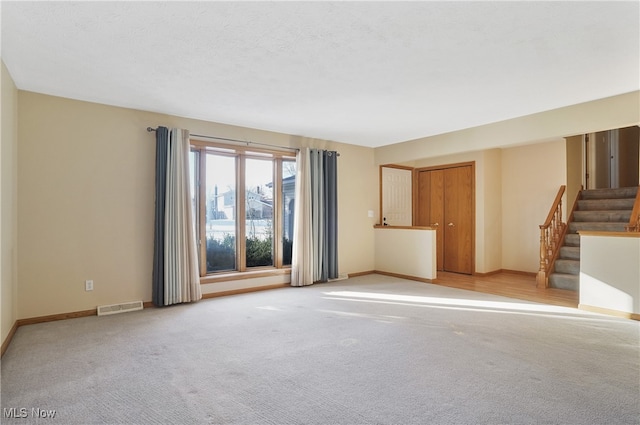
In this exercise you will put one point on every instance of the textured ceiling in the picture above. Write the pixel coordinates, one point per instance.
(366, 73)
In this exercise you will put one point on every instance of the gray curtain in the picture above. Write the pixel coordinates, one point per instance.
(315, 224)
(175, 277)
(324, 214)
(162, 144)
(331, 218)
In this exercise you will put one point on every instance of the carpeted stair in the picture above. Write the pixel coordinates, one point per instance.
(604, 210)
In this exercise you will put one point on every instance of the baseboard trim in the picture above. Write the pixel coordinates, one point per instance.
(609, 312)
(7, 340)
(56, 317)
(404, 276)
(361, 273)
(245, 290)
(488, 273)
(518, 272)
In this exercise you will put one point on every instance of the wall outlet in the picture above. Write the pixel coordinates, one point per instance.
(88, 285)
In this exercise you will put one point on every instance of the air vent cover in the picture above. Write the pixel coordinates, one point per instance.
(104, 310)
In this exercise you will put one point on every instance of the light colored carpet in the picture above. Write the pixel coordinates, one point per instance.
(368, 350)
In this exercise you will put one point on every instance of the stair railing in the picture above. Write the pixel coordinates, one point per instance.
(634, 221)
(551, 234)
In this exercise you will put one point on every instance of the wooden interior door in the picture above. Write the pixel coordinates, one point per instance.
(458, 217)
(422, 217)
(430, 208)
(436, 213)
(445, 202)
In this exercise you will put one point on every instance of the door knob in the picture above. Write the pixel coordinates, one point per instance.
(450, 224)
(435, 224)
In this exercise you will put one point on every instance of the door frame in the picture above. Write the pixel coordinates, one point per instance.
(471, 164)
(589, 166)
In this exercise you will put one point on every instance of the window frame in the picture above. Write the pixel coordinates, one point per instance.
(241, 154)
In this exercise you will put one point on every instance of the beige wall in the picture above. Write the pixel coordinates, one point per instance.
(86, 179)
(513, 195)
(604, 114)
(520, 164)
(488, 201)
(492, 231)
(531, 177)
(8, 194)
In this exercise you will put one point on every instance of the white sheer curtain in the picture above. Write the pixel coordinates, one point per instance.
(175, 276)
(302, 255)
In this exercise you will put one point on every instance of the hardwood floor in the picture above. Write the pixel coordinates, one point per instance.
(512, 285)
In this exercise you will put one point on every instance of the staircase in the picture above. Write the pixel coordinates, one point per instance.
(604, 210)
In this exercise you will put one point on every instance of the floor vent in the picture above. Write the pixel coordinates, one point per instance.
(104, 310)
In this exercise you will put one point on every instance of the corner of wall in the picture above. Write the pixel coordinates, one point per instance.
(8, 209)
(492, 159)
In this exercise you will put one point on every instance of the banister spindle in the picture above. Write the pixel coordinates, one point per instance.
(550, 234)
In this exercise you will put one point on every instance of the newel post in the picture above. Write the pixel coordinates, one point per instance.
(541, 278)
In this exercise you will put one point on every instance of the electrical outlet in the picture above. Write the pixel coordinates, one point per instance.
(88, 285)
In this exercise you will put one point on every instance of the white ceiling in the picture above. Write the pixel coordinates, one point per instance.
(366, 73)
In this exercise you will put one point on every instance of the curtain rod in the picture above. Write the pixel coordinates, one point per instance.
(150, 129)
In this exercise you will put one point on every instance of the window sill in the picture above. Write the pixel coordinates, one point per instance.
(227, 277)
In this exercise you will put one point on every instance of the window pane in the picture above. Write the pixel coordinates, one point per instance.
(288, 201)
(193, 161)
(220, 212)
(259, 212)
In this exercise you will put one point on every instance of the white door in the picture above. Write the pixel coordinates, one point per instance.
(396, 196)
